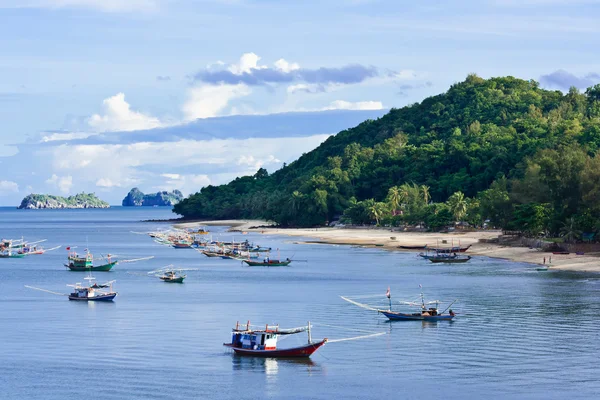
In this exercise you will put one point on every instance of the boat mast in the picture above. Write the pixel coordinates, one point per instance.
(309, 336)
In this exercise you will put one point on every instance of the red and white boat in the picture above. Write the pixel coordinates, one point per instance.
(247, 341)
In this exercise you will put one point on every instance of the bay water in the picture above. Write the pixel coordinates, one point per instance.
(519, 333)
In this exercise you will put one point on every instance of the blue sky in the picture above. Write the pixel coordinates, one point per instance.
(98, 95)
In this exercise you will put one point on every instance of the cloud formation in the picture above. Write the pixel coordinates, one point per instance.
(358, 105)
(248, 72)
(62, 183)
(209, 101)
(118, 116)
(562, 79)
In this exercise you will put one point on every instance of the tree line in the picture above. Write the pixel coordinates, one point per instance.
(501, 152)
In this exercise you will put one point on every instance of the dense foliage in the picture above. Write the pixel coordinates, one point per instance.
(501, 149)
(81, 200)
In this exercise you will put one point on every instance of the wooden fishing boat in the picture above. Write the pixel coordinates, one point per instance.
(89, 292)
(427, 313)
(246, 341)
(413, 247)
(449, 260)
(541, 269)
(182, 244)
(172, 277)
(86, 263)
(430, 256)
(268, 263)
(560, 252)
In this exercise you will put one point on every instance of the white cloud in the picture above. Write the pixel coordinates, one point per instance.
(8, 187)
(55, 136)
(359, 105)
(63, 183)
(106, 183)
(285, 66)
(209, 101)
(101, 5)
(118, 116)
(187, 183)
(248, 62)
(305, 88)
(254, 164)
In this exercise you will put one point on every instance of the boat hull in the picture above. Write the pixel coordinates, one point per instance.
(449, 260)
(173, 280)
(394, 316)
(104, 297)
(265, 264)
(296, 352)
(105, 267)
(12, 256)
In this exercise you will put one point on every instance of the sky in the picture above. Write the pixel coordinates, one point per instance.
(104, 95)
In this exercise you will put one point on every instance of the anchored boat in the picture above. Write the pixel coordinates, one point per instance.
(89, 292)
(428, 312)
(172, 277)
(247, 341)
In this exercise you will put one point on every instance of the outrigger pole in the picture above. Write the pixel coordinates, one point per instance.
(449, 306)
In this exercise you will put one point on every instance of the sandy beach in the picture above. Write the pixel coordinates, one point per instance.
(383, 238)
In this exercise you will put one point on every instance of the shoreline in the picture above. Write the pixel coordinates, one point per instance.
(381, 238)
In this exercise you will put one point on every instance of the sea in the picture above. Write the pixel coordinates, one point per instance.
(519, 333)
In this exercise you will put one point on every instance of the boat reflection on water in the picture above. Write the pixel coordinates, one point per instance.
(271, 366)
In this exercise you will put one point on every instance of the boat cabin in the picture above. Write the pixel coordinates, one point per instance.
(431, 312)
(255, 340)
(83, 292)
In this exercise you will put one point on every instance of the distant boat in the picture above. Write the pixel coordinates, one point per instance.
(86, 263)
(171, 276)
(413, 247)
(541, 269)
(9, 254)
(182, 244)
(268, 263)
(453, 249)
(449, 260)
(560, 252)
(246, 341)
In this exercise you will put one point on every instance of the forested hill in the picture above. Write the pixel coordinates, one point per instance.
(479, 133)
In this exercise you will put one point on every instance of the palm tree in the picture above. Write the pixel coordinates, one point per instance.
(569, 230)
(426, 194)
(394, 197)
(377, 210)
(458, 205)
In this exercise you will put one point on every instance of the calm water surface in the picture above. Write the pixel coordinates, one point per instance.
(519, 334)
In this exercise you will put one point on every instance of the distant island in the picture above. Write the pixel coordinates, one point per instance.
(81, 200)
(136, 198)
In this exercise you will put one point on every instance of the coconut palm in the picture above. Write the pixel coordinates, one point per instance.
(457, 205)
(394, 197)
(377, 210)
(569, 230)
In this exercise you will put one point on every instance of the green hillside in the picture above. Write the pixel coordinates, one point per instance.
(501, 149)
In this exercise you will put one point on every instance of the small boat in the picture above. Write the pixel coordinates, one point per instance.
(182, 244)
(449, 260)
(541, 269)
(88, 292)
(267, 262)
(246, 341)
(413, 247)
(439, 256)
(561, 252)
(171, 276)
(427, 313)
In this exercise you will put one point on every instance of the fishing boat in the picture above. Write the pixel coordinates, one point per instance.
(429, 310)
(172, 277)
(246, 341)
(413, 247)
(182, 244)
(541, 269)
(561, 252)
(439, 256)
(89, 292)
(449, 260)
(35, 250)
(86, 262)
(267, 262)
